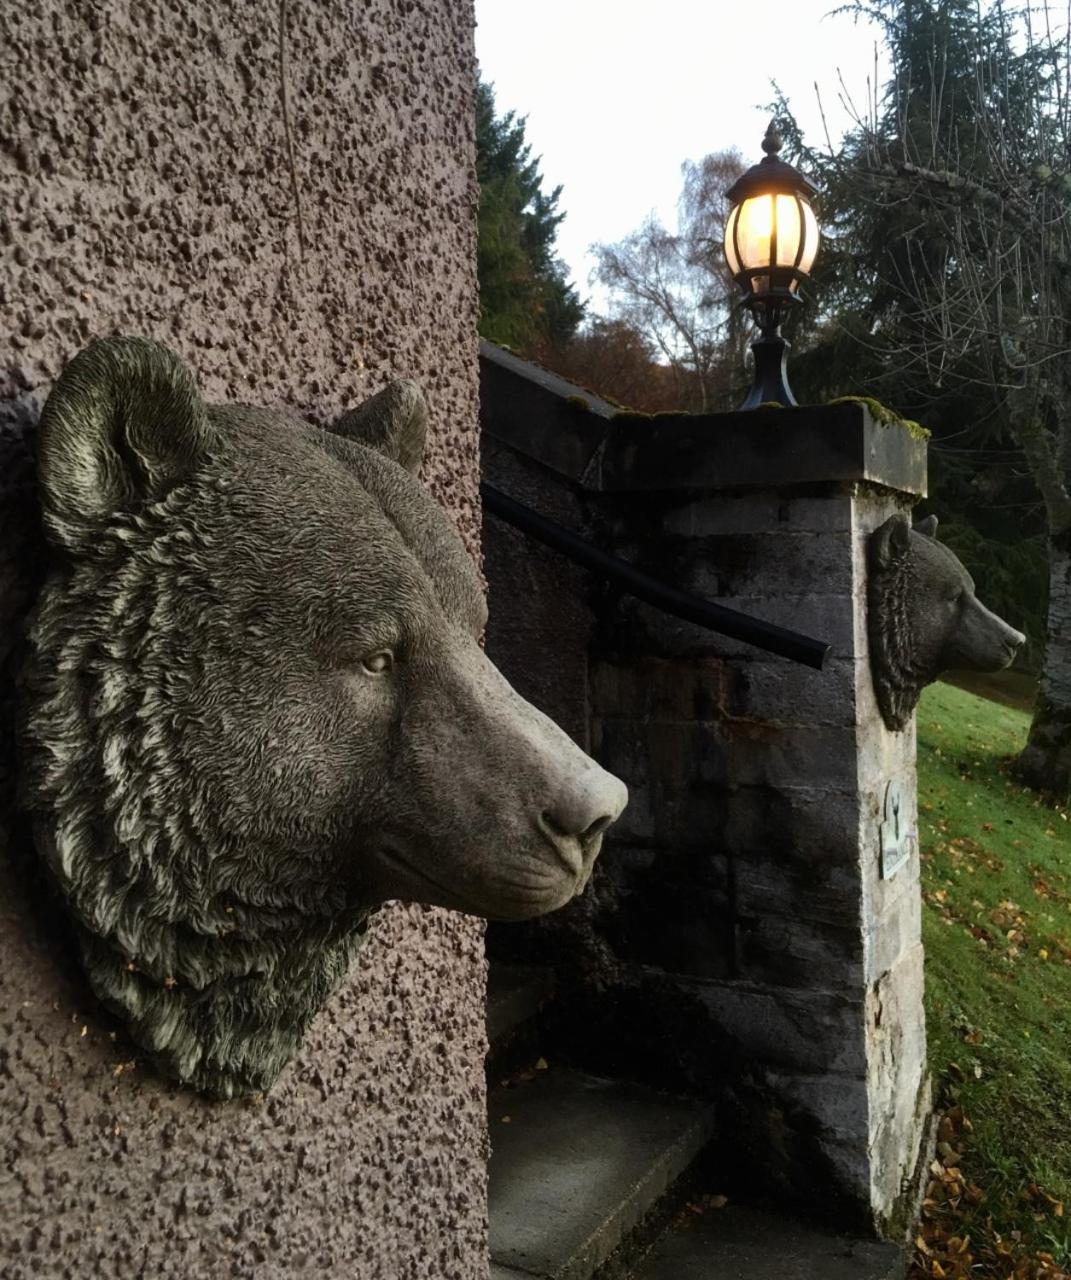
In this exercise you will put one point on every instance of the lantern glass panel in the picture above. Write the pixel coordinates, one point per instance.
(730, 249)
(789, 230)
(810, 240)
(753, 231)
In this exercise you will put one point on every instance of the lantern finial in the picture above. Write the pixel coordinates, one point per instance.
(772, 142)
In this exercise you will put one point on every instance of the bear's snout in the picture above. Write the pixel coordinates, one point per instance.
(984, 641)
(577, 816)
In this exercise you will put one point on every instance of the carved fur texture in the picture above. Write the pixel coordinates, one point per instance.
(254, 708)
(923, 617)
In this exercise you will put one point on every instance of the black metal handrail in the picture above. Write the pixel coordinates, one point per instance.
(681, 604)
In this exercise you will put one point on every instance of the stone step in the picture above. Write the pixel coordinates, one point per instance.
(741, 1243)
(576, 1164)
(515, 994)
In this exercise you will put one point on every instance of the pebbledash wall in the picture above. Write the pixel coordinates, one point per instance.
(150, 183)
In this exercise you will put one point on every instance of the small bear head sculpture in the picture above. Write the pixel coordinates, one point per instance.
(924, 618)
(254, 708)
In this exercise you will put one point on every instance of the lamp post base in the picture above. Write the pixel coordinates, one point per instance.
(770, 385)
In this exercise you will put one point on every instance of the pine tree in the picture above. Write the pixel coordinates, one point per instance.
(526, 300)
(938, 286)
(949, 271)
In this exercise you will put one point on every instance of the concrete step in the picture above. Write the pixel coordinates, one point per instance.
(576, 1163)
(740, 1243)
(515, 994)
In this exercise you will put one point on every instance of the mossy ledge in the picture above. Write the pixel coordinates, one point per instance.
(885, 416)
(880, 413)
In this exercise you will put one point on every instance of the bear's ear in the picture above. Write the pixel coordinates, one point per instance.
(123, 424)
(394, 422)
(927, 527)
(891, 543)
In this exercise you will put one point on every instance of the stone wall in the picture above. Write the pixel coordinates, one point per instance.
(149, 186)
(739, 938)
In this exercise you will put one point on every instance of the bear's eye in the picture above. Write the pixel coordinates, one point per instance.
(379, 662)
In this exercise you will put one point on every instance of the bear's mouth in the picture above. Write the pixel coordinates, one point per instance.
(493, 900)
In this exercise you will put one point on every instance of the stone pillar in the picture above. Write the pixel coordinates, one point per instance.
(742, 936)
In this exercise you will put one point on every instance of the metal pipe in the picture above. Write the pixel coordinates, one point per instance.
(681, 604)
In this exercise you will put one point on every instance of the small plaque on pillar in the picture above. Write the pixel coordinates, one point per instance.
(897, 838)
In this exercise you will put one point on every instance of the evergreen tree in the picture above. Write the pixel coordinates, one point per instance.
(947, 281)
(526, 300)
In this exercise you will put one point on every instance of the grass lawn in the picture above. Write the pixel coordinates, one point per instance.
(996, 870)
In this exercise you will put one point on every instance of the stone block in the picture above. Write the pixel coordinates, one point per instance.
(673, 770)
(746, 564)
(538, 414)
(866, 700)
(872, 507)
(709, 689)
(869, 510)
(759, 512)
(618, 744)
(839, 1103)
(795, 852)
(785, 693)
(884, 755)
(628, 627)
(806, 883)
(787, 951)
(779, 821)
(762, 754)
(526, 480)
(675, 925)
(667, 909)
(808, 445)
(539, 626)
(659, 688)
(897, 1081)
(847, 1169)
(825, 616)
(806, 1031)
(892, 934)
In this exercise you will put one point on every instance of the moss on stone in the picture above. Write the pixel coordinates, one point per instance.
(643, 415)
(885, 416)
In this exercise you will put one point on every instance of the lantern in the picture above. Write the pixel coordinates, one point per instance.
(771, 239)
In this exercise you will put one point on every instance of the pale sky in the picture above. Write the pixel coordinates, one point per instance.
(618, 92)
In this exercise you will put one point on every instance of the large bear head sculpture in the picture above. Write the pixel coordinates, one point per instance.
(924, 617)
(254, 708)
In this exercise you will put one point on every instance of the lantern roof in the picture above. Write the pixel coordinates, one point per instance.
(771, 174)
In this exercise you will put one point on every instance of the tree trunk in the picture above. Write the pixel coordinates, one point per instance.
(1045, 762)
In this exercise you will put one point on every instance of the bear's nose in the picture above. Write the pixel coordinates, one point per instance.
(585, 807)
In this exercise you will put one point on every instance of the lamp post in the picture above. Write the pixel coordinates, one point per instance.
(771, 238)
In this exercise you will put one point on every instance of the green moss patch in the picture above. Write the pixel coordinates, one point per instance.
(885, 416)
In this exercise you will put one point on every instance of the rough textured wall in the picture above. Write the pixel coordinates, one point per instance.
(146, 186)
